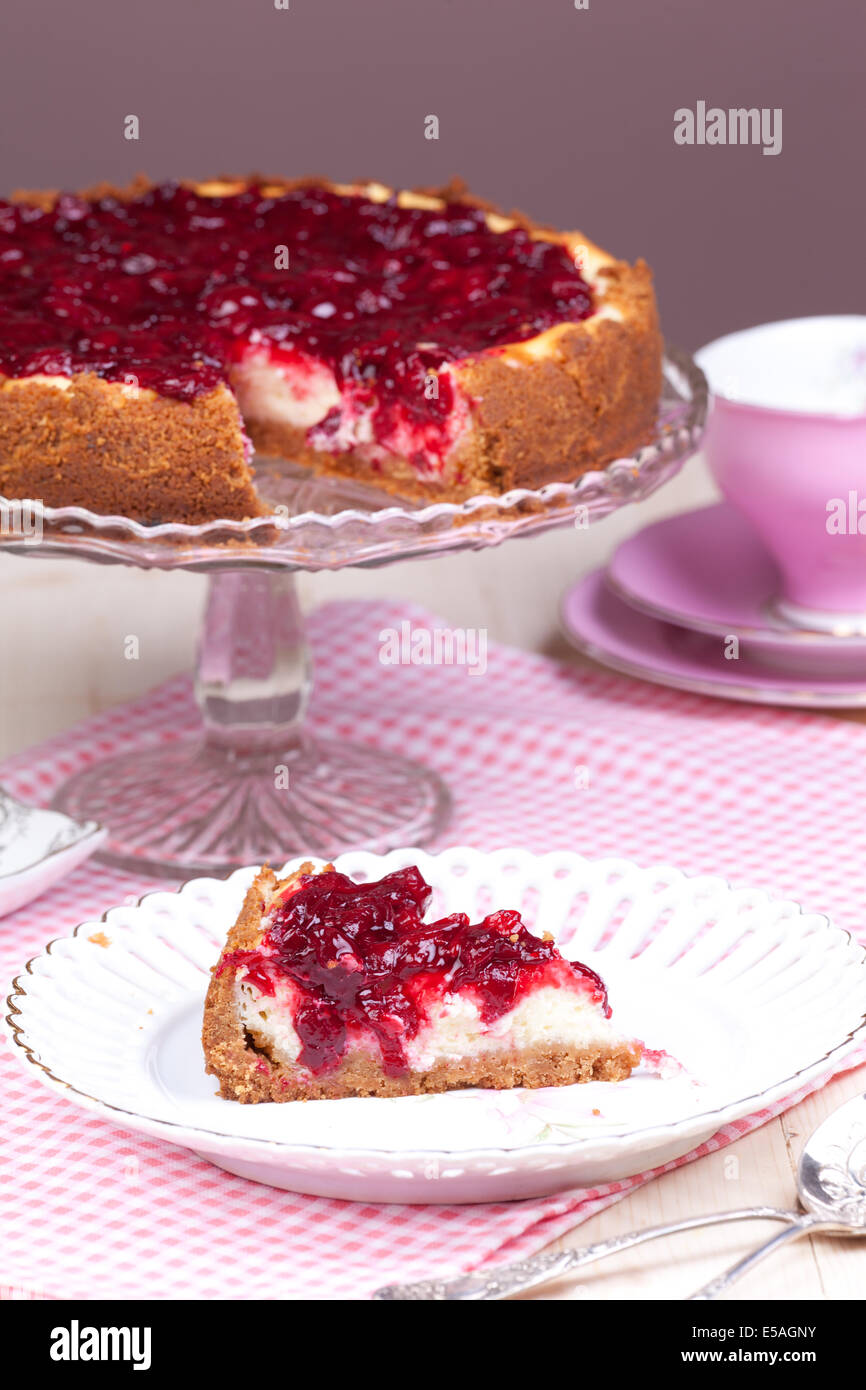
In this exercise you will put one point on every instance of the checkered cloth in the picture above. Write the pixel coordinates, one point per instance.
(536, 754)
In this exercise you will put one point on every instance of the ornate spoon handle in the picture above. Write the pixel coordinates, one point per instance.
(803, 1225)
(539, 1269)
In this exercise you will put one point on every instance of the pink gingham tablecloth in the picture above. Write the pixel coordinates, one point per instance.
(766, 797)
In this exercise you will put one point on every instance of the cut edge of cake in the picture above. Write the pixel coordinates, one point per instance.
(252, 1050)
(546, 409)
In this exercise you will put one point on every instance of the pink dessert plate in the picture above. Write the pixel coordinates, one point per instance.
(603, 626)
(707, 570)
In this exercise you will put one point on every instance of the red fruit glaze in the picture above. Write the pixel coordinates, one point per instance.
(172, 288)
(362, 957)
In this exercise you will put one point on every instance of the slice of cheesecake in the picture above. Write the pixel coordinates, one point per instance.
(152, 337)
(330, 988)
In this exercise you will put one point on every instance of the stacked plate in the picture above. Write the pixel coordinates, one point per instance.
(691, 602)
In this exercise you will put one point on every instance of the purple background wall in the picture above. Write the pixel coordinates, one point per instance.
(568, 114)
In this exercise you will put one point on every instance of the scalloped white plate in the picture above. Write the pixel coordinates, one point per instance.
(752, 997)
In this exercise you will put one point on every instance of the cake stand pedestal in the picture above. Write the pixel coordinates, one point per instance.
(254, 784)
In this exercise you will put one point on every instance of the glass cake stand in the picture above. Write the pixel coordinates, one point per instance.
(254, 784)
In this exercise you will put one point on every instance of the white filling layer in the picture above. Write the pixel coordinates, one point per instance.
(270, 1019)
(297, 395)
(548, 1017)
(301, 393)
(59, 383)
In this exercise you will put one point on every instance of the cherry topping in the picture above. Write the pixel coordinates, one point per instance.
(172, 288)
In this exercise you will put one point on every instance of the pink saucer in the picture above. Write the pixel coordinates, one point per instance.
(707, 570)
(604, 627)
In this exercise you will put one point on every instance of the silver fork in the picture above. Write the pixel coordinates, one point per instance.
(507, 1280)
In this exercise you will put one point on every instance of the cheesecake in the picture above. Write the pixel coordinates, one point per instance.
(329, 988)
(153, 339)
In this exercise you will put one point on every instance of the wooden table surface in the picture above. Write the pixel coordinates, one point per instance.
(65, 657)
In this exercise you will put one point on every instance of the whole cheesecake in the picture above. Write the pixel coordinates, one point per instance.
(152, 338)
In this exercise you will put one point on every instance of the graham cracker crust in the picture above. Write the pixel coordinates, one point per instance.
(124, 453)
(260, 1078)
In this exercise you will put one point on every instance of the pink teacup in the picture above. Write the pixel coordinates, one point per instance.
(786, 443)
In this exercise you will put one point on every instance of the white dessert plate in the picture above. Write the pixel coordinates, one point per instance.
(752, 998)
(38, 848)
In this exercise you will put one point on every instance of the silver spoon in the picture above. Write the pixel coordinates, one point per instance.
(831, 1184)
(844, 1187)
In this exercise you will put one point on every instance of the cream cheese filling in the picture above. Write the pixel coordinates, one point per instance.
(549, 1017)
